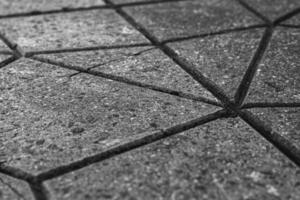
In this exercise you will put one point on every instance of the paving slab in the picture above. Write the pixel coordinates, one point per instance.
(221, 58)
(131, 1)
(224, 159)
(144, 64)
(51, 115)
(277, 78)
(22, 6)
(52, 119)
(294, 21)
(3, 57)
(273, 8)
(285, 121)
(3, 48)
(178, 19)
(70, 30)
(14, 189)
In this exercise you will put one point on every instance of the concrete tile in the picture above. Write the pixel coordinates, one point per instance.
(143, 64)
(169, 20)
(293, 21)
(273, 8)
(131, 1)
(21, 6)
(285, 121)
(14, 189)
(221, 58)
(225, 159)
(76, 29)
(277, 78)
(50, 119)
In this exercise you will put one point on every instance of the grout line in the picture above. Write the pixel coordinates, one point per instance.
(17, 51)
(93, 48)
(7, 61)
(226, 31)
(183, 63)
(255, 12)
(287, 16)
(130, 145)
(129, 81)
(40, 192)
(99, 7)
(127, 56)
(281, 143)
(285, 147)
(244, 86)
(6, 52)
(289, 25)
(16, 173)
(13, 189)
(63, 10)
(271, 105)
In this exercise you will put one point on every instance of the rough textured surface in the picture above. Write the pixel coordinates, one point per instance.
(3, 57)
(294, 21)
(76, 29)
(285, 121)
(49, 119)
(57, 125)
(13, 6)
(168, 20)
(13, 189)
(136, 64)
(221, 160)
(274, 8)
(277, 78)
(223, 58)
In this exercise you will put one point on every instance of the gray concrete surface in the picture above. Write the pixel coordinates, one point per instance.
(150, 99)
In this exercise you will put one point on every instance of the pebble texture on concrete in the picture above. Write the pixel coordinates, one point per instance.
(149, 99)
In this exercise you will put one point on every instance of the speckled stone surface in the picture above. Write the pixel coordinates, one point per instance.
(222, 58)
(145, 64)
(75, 29)
(277, 78)
(273, 8)
(222, 160)
(21, 6)
(13, 189)
(285, 121)
(3, 47)
(3, 57)
(50, 119)
(169, 20)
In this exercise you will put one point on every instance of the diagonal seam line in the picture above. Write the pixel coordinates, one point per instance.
(183, 63)
(130, 145)
(289, 25)
(13, 189)
(127, 56)
(128, 81)
(280, 142)
(99, 7)
(39, 191)
(286, 147)
(7, 61)
(93, 48)
(17, 51)
(255, 12)
(271, 105)
(244, 86)
(220, 32)
(16, 173)
(287, 16)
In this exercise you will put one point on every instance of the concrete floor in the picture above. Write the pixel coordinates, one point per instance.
(150, 99)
